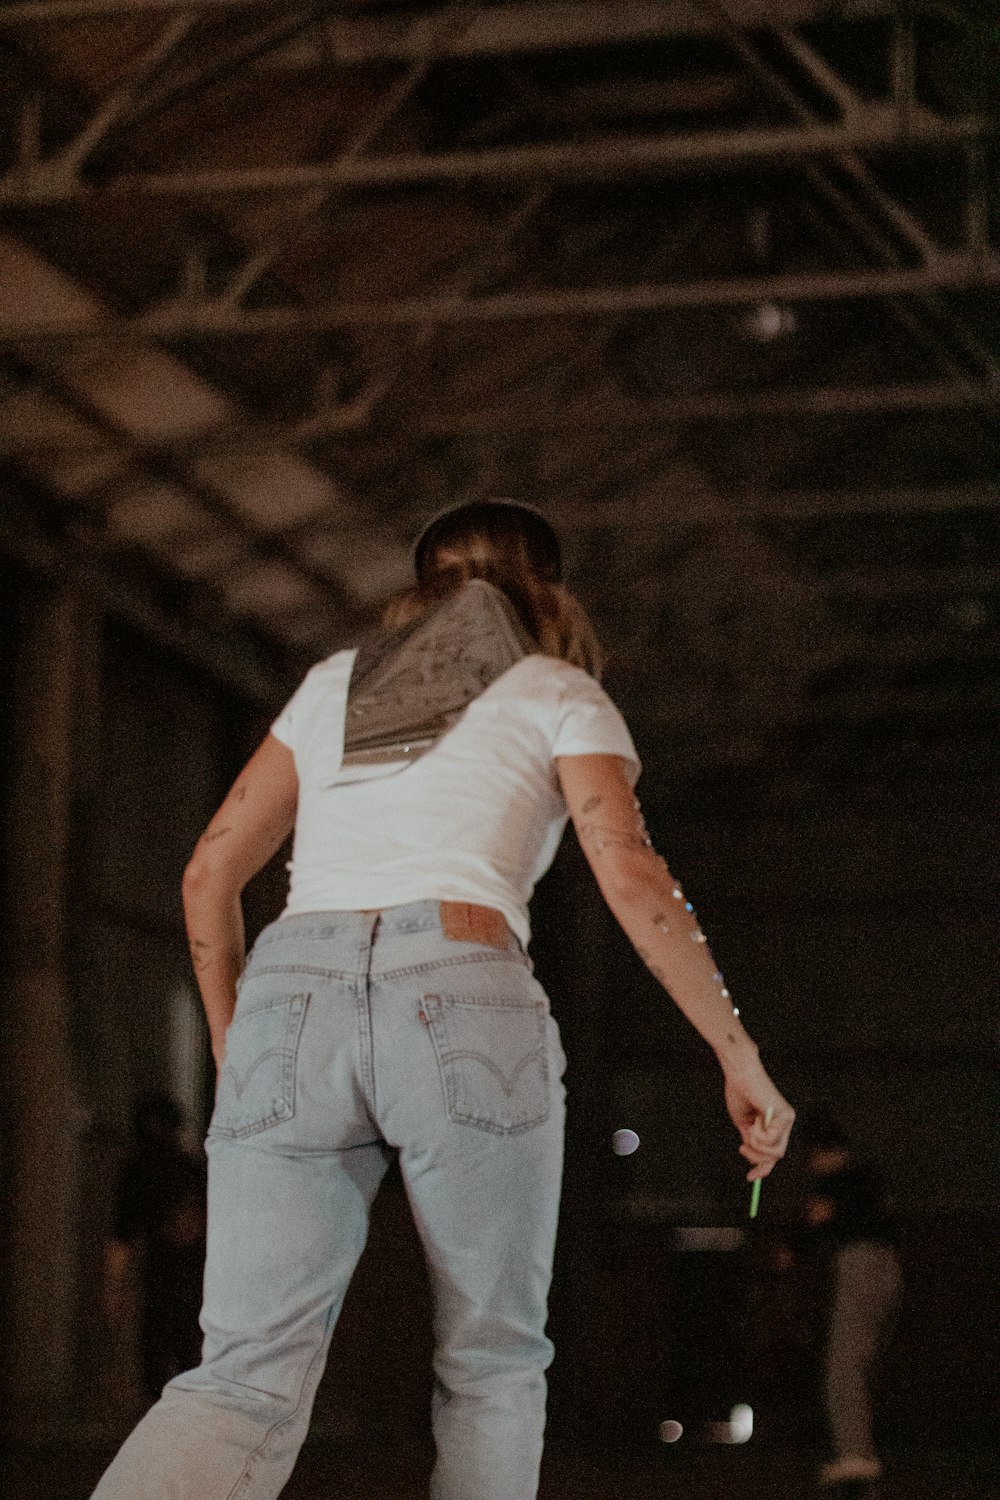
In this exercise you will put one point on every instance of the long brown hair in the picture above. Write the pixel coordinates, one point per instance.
(514, 548)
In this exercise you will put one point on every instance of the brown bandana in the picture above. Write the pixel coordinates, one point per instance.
(410, 686)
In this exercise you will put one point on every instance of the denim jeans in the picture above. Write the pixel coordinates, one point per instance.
(356, 1034)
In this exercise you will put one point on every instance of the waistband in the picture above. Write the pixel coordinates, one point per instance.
(457, 921)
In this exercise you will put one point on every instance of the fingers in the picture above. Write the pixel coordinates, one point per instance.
(764, 1120)
(765, 1139)
(761, 1166)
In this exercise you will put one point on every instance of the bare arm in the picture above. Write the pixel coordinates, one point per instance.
(652, 909)
(248, 829)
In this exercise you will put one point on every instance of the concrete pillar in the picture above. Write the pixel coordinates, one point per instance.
(43, 1106)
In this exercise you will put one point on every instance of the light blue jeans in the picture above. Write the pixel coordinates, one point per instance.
(356, 1033)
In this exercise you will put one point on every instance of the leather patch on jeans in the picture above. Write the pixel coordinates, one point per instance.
(465, 922)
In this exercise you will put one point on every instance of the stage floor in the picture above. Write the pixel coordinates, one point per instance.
(756, 1472)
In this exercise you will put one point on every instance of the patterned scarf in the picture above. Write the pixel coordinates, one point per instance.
(409, 686)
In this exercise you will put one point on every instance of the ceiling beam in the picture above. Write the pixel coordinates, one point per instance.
(883, 224)
(739, 506)
(596, 415)
(119, 100)
(485, 31)
(882, 128)
(191, 319)
(722, 406)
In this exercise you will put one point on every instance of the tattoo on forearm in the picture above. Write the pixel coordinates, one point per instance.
(239, 792)
(201, 954)
(601, 839)
(647, 959)
(592, 803)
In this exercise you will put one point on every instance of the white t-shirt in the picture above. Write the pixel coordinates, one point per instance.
(478, 818)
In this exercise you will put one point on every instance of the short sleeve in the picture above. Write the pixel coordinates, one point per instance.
(590, 724)
(293, 714)
(322, 692)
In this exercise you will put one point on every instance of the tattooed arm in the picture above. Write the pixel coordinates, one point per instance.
(248, 829)
(654, 913)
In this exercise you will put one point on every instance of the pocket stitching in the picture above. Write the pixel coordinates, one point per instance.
(433, 1005)
(287, 1052)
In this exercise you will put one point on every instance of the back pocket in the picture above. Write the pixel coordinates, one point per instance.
(257, 1079)
(492, 1058)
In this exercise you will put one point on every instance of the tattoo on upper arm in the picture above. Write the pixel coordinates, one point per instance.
(601, 839)
(239, 792)
(216, 833)
(592, 803)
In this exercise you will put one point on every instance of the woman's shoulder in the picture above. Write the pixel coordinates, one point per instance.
(318, 694)
(556, 676)
(555, 694)
(335, 662)
(332, 670)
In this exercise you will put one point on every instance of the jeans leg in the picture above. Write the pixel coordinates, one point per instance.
(485, 1207)
(487, 1219)
(285, 1234)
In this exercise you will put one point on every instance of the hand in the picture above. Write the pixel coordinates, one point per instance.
(763, 1118)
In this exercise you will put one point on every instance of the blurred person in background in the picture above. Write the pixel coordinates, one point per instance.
(159, 1233)
(392, 1009)
(844, 1219)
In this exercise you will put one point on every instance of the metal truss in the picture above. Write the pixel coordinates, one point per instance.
(172, 458)
(880, 224)
(633, 417)
(883, 226)
(470, 31)
(35, 181)
(820, 401)
(486, 30)
(333, 416)
(852, 708)
(208, 318)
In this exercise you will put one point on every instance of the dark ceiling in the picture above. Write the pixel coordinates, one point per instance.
(715, 285)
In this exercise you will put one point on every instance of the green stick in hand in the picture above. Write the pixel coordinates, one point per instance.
(755, 1186)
